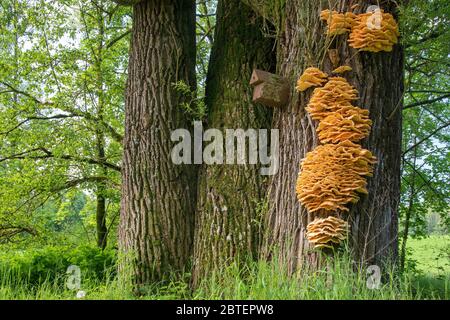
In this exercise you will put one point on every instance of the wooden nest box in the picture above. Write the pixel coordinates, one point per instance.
(270, 89)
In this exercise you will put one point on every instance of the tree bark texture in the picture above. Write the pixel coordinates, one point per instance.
(379, 79)
(158, 197)
(228, 220)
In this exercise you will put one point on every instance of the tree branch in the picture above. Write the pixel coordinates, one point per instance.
(48, 155)
(425, 102)
(73, 111)
(426, 138)
(58, 116)
(76, 182)
(115, 40)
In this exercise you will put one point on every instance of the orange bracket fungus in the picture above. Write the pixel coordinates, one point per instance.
(342, 69)
(336, 94)
(338, 23)
(269, 89)
(369, 36)
(348, 123)
(311, 77)
(333, 175)
(324, 233)
(372, 31)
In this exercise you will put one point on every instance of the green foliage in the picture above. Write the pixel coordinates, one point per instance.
(50, 264)
(62, 77)
(195, 106)
(426, 116)
(260, 280)
(431, 255)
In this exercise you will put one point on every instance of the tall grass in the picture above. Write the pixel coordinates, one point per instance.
(339, 280)
(258, 280)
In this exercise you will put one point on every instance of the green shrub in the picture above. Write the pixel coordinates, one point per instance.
(51, 263)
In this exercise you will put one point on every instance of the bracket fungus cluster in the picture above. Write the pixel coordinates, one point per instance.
(311, 77)
(372, 31)
(349, 123)
(336, 94)
(334, 173)
(338, 23)
(322, 233)
(366, 36)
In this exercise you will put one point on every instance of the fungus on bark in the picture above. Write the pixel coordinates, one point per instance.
(342, 69)
(338, 23)
(333, 175)
(366, 36)
(335, 95)
(311, 77)
(347, 123)
(326, 232)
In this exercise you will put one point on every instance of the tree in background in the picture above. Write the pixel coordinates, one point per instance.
(63, 71)
(227, 217)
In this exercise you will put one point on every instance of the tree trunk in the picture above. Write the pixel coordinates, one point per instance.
(379, 79)
(102, 230)
(101, 213)
(409, 210)
(158, 197)
(227, 220)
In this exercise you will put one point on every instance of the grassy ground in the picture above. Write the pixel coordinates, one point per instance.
(431, 280)
(430, 257)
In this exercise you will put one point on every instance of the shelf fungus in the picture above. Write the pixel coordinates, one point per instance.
(333, 175)
(335, 95)
(342, 69)
(347, 123)
(338, 23)
(326, 232)
(311, 77)
(374, 36)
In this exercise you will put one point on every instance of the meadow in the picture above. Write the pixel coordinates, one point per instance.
(427, 277)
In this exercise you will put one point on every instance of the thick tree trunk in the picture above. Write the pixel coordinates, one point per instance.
(158, 197)
(378, 78)
(227, 220)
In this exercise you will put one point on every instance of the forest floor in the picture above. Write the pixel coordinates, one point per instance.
(428, 277)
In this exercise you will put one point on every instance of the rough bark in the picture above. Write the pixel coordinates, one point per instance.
(228, 215)
(158, 197)
(378, 77)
